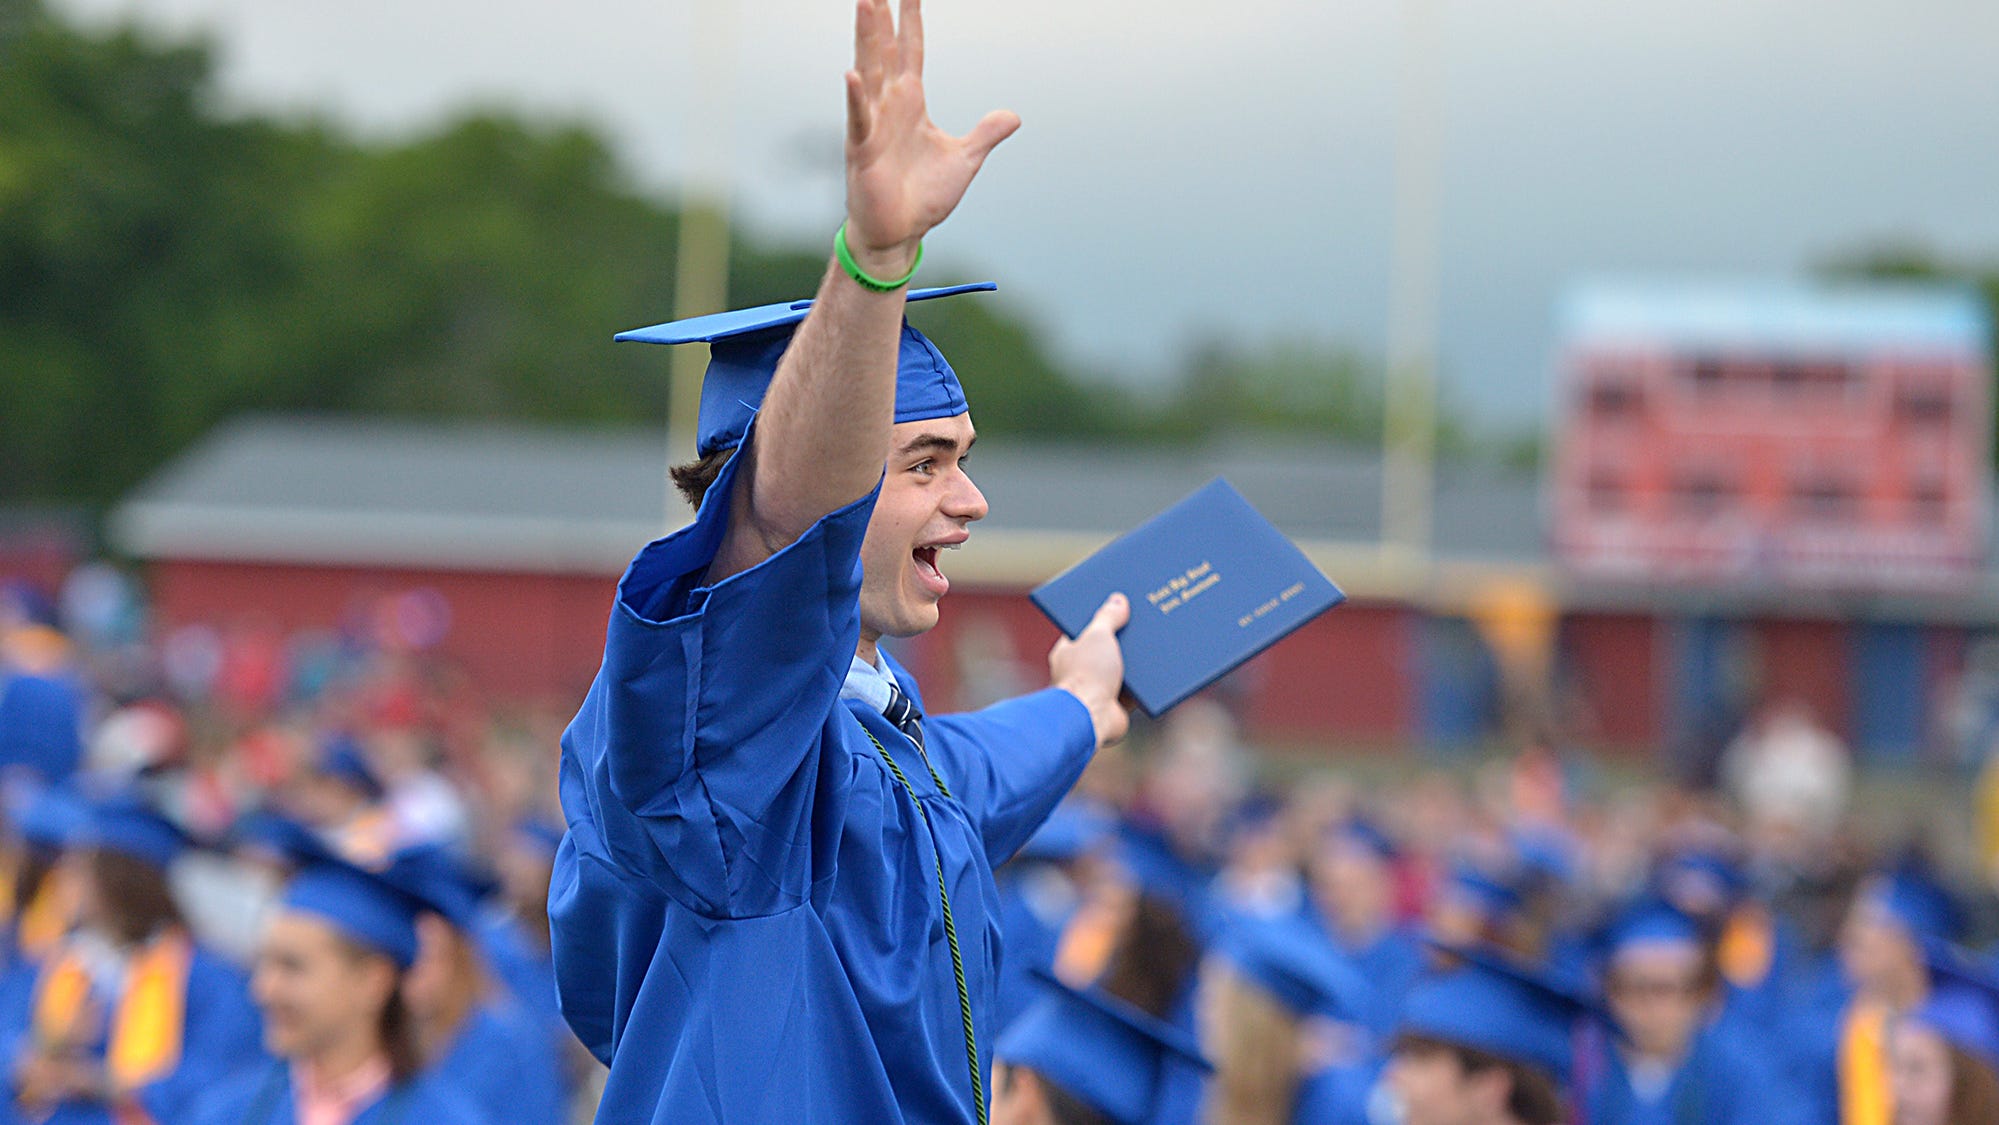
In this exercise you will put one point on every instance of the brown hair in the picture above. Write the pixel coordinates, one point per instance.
(1533, 1097)
(695, 477)
(1153, 960)
(394, 1025)
(1974, 1090)
(133, 895)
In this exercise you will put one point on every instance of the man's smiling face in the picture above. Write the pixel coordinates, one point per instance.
(926, 507)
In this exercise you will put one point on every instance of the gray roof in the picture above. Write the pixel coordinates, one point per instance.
(521, 498)
(515, 497)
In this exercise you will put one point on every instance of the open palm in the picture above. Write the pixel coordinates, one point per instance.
(904, 174)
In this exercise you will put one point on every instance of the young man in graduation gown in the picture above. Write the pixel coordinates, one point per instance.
(775, 901)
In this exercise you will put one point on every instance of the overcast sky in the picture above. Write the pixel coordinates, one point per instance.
(1202, 168)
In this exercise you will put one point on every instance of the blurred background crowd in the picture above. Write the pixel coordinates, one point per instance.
(1277, 905)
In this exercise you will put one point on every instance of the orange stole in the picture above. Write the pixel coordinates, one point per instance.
(1864, 1097)
(1748, 947)
(148, 1023)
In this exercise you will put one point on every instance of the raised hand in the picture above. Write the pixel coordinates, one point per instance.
(904, 174)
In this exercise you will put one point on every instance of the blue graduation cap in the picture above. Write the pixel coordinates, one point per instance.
(1297, 965)
(1494, 896)
(745, 345)
(47, 816)
(1963, 1004)
(1361, 831)
(1651, 922)
(341, 758)
(1914, 899)
(538, 834)
(1498, 1005)
(125, 824)
(1701, 878)
(443, 882)
(1099, 1049)
(360, 904)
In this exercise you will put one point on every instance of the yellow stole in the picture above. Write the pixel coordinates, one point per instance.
(147, 1024)
(1864, 1097)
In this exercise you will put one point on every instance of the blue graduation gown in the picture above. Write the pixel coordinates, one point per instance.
(262, 1095)
(523, 967)
(747, 892)
(1719, 1083)
(499, 1061)
(222, 1031)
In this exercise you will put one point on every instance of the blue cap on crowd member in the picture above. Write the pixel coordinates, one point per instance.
(1098, 1049)
(446, 883)
(1365, 833)
(1296, 965)
(1492, 1002)
(1701, 880)
(1651, 922)
(746, 344)
(1073, 829)
(341, 758)
(1545, 853)
(1915, 900)
(360, 904)
(539, 834)
(1963, 1004)
(1494, 896)
(51, 817)
(125, 824)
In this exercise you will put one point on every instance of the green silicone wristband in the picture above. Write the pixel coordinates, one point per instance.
(861, 276)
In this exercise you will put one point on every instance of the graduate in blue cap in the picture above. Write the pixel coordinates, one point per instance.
(1353, 890)
(1086, 1058)
(1943, 1055)
(1675, 1064)
(775, 899)
(1838, 1042)
(1489, 1040)
(478, 1040)
(1280, 1017)
(513, 929)
(128, 1014)
(329, 978)
(42, 694)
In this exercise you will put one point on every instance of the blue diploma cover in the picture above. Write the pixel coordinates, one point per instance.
(1211, 583)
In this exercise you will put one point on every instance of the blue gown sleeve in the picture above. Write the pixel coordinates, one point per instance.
(698, 747)
(1010, 764)
(224, 1032)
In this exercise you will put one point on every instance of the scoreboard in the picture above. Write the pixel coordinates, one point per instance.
(1784, 436)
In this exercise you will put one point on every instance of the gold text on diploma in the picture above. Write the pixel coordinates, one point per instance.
(1289, 592)
(1183, 586)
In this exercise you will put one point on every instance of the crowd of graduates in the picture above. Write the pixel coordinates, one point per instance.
(233, 860)
(251, 878)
